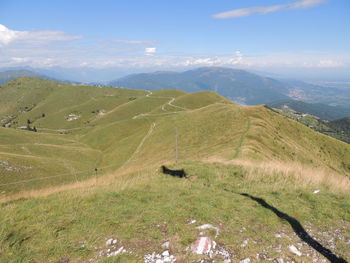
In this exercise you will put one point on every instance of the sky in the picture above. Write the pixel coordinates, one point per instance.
(288, 38)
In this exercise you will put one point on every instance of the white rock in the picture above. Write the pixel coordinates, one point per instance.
(244, 243)
(109, 242)
(166, 244)
(280, 260)
(166, 253)
(209, 226)
(316, 191)
(246, 260)
(114, 241)
(192, 221)
(120, 250)
(294, 250)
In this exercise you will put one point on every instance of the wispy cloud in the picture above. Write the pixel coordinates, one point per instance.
(241, 12)
(8, 36)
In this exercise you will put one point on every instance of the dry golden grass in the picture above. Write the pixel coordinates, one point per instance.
(289, 174)
(82, 186)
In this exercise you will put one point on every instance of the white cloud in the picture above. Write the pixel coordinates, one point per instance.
(328, 63)
(241, 12)
(19, 59)
(150, 51)
(8, 36)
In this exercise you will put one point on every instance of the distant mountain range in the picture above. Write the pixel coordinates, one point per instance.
(322, 111)
(238, 85)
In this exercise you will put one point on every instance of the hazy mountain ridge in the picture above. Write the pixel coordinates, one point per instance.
(238, 85)
(8, 75)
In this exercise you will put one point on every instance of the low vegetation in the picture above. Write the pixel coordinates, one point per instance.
(338, 129)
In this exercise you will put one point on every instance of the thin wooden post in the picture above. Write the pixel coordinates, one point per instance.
(176, 145)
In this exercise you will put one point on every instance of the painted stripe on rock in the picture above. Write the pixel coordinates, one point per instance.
(202, 246)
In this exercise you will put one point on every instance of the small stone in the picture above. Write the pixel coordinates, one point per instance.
(166, 244)
(109, 242)
(114, 241)
(209, 226)
(166, 253)
(244, 243)
(316, 191)
(294, 250)
(280, 260)
(246, 260)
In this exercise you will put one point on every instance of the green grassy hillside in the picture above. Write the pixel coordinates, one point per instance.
(55, 209)
(136, 129)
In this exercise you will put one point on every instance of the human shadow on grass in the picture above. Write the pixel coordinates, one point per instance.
(299, 230)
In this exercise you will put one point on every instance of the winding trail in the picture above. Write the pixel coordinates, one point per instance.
(153, 125)
(150, 93)
(241, 139)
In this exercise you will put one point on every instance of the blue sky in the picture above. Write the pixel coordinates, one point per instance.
(288, 37)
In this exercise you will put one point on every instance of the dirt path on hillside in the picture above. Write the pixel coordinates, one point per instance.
(241, 139)
(153, 125)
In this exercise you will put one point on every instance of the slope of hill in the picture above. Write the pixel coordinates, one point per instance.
(233, 155)
(340, 129)
(237, 85)
(8, 75)
(323, 111)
